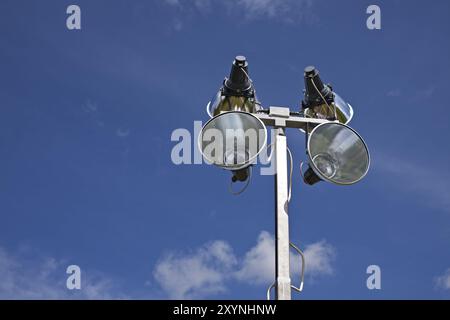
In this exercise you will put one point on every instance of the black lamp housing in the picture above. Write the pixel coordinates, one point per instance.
(238, 83)
(316, 91)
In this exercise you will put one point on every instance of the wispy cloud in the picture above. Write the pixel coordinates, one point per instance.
(92, 110)
(290, 11)
(394, 93)
(430, 185)
(123, 132)
(23, 277)
(426, 92)
(443, 281)
(286, 9)
(90, 106)
(209, 269)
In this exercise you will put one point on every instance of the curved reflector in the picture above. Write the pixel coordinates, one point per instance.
(337, 153)
(232, 140)
(344, 110)
(221, 103)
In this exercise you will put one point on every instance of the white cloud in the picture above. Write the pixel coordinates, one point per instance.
(207, 270)
(200, 273)
(318, 257)
(258, 266)
(443, 281)
(23, 277)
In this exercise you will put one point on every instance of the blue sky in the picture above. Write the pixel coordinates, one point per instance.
(86, 175)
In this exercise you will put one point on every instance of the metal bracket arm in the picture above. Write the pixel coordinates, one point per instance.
(280, 117)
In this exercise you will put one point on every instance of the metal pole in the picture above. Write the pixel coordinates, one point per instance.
(282, 273)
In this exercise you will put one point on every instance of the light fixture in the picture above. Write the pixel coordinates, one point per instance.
(320, 101)
(233, 138)
(236, 134)
(237, 92)
(337, 154)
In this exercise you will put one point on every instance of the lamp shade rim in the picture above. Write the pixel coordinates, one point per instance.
(350, 110)
(317, 171)
(247, 162)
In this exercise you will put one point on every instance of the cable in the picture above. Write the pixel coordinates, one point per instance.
(291, 171)
(302, 274)
(269, 289)
(244, 187)
(271, 151)
(254, 95)
(334, 111)
(208, 109)
(301, 171)
(248, 77)
(290, 174)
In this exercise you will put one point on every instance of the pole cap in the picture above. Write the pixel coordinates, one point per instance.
(310, 71)
(240, 60)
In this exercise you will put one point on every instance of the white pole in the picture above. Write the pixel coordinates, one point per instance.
(282, 273)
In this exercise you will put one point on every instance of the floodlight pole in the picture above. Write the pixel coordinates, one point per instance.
(280, 118)
(239, 85)
(282, 271)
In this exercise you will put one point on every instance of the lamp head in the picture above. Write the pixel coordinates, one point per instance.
(315, 90)
(337, 154)
(237, 92)
(238, 83)
(320, 101)
(241, 175)
(233, 140)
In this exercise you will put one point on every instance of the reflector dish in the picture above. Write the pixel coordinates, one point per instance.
(232, 140)
(337, 153)
(221, 103)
